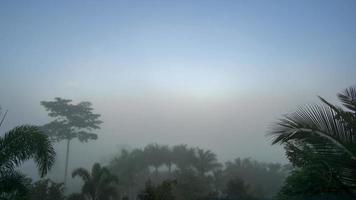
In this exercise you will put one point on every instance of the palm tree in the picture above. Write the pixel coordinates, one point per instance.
(327, 131)
(167, 155)
(132, 169)
(205, 161)
(183, 157)
(18, 145)
(154, 155)
(99, 184)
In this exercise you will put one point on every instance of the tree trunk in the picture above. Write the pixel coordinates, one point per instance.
(66, 165)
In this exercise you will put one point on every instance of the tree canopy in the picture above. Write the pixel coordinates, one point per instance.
(71, 120)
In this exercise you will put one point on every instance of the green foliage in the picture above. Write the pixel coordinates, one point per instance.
(164, 191)
(197, 171)
(167, 156)
(14, 185)
(312, 182)
(23, 143)
(99, 184)
(155, 155)
(263, 179)
(183, 156)
(191, 185)
(131, 168)
(236, 189)
(46, 190)
(17, 146)
(205, 161)
(323, 136)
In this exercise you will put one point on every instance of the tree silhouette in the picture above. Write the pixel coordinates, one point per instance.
(167, 156)
(327, 131)
(205, 161)
(47, 190)
(312, 181)
(191, 185)
(16, 146)
(99, 184)
(236, 189)
(183, 157)
(197, 171)
(154, 156)
(164, 191)
(70, 121)
(131, 168)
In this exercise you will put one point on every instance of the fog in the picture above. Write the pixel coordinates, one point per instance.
(209, 74)
(231, 125)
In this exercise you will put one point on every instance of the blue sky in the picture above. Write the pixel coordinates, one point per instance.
(56, 39)
(177, 71)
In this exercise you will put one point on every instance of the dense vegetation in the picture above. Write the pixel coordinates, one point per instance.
(16, 146)
(319, 141)
(196, 172)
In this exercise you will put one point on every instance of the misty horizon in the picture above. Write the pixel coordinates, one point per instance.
(216, 75)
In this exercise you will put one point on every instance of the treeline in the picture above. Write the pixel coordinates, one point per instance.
(196, 172)
(162, 172)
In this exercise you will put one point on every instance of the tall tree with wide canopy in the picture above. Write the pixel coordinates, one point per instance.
(70, 121)
(329, 133)
(99, 184)
(17, 146)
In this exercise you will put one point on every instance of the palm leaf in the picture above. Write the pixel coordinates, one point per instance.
(317, 127)
(23, 143)
(348, 98)
(97, 183)
(311, 123)
(14, 185)
(346, 117)
(82, 173)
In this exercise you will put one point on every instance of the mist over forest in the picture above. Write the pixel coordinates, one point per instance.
(177, 100)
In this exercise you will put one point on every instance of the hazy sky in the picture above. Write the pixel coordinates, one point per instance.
(213, 74)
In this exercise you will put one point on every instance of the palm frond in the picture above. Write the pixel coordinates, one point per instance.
(327, 133)
(96, 172)
(97, 183)
(107, 178)
(310, 124)
(3, 117)
(14, 182)
(23, 143)
(346, 117)
(348, 98)
(82, 173)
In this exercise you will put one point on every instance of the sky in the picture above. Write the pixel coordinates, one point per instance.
(214, 74)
